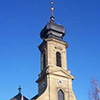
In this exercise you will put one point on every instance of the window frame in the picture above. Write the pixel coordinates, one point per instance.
(44, 60)
(63, 95)
(58, 59)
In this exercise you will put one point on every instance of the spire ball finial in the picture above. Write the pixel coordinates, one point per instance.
(19, 89)
(52, 9)
(51, 2)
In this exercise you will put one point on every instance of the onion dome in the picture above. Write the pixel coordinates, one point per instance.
(52, 30)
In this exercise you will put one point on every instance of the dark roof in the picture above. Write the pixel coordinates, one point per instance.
(19, 97)
(35, 97)
(52, 30)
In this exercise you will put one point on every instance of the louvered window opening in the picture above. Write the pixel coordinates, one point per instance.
(44, 61)
(58, 59)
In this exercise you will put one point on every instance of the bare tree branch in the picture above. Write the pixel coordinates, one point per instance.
(94, 93)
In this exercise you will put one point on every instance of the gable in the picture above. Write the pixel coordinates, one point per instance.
(61, 72)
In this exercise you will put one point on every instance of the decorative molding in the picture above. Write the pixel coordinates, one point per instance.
(60, 48)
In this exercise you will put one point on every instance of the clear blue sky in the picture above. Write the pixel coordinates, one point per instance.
(20, 24)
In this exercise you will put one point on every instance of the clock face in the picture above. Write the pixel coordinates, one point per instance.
(60, 82)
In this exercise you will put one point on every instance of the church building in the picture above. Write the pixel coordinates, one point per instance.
(54, 81)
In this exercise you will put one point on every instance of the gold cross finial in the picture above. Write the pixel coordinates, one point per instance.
(52, 9)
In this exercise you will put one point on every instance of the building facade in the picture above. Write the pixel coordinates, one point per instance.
(55, 81)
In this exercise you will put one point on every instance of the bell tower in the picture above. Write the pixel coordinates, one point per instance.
(55, 81)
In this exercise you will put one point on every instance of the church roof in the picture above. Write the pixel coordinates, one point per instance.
(35, 97)
(19, 96)
(52, 30)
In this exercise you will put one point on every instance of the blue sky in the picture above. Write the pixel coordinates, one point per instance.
(20, 24)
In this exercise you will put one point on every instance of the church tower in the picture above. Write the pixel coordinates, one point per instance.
(55, 81)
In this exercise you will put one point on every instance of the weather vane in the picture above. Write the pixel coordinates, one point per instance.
(52, 9)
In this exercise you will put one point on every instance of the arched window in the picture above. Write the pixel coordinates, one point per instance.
(44, 60)
(58, 59)
(60, 95)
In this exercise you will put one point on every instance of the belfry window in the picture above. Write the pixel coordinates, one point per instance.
(44, 60)
(60, 95)
(58, 59)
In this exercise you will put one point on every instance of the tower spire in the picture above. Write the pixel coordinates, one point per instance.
(19, 89)
(52, 18)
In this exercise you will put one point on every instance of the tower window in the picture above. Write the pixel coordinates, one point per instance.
(58, 59)
(60, 95)
(44, 61)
